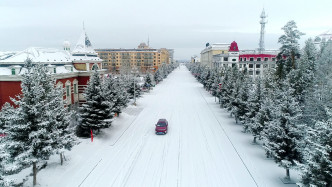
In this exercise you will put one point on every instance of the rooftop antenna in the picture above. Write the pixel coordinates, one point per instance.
(261, 39)
(148, 41)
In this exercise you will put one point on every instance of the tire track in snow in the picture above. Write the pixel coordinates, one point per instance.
(132, 122)
(238, 154)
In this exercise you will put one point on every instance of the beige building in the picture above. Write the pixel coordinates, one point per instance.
(144, 58)
(214, 49)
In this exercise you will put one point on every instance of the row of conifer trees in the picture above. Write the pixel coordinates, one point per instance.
(288, 109)
(41, 124)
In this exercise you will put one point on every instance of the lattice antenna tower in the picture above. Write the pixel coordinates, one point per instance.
(261, 39)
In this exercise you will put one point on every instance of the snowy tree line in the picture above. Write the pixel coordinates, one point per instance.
(106, 98)
(40, 124)
(288, 109)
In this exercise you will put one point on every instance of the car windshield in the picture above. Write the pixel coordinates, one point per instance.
(161, 124)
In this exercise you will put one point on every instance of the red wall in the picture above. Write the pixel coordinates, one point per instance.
(9, 89)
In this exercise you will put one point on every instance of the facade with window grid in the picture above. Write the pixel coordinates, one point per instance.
(144, 58)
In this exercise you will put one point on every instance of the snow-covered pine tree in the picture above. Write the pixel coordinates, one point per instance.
(318, 166)
(289, 51)
(134, 88)
(234, 87)
(5, 113)
(109, 92)
(243, 98)
(319, 97)
(215, 88)
(93, 113)
(283, 132)
(210, 81)
(225, 87)
(148, 81)
(60, 119)
(301, 79)
(157, 76)
(234, 106)
(121, 97)
(266, 113)
(206, 77)
(254, 105)
(30, 134)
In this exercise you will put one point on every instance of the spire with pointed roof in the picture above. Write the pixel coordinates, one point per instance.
(84, 45)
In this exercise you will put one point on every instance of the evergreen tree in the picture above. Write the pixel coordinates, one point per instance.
(318, 96)
(33, 126)
(234, 88)
(255, 101)
(226, 88)
(318, 168)
(215, 87)
(244, 103)
(60, 120)
(148, 81)
(94, 112)
(157, 76)
(283, 131)
(134, 89)
(122, 97)
(110, 95)
(289, 51)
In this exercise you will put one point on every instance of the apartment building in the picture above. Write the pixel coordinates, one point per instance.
(143, 58)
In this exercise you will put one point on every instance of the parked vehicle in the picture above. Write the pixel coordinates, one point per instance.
(161, 126)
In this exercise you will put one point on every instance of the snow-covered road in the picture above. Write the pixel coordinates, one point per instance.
(196, 151)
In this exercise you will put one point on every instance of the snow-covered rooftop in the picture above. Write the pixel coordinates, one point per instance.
(7, 54)
(59, 70)
(39, 54)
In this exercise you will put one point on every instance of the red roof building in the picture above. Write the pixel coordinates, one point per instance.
(71, 70)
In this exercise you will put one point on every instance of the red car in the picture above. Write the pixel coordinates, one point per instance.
(161, 126)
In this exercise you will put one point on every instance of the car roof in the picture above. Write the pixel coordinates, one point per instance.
(162, 120)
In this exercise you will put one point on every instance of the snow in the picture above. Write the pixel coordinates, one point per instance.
(6, 54)
(39, 54)
(203, 146)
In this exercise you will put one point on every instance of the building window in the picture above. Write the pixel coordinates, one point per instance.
(258, 66)
(67, 91)
(245, 59)
(240, 65)
(251, 72)
(13, 71)
(225, 59)
(75, 88)
(71, 69)
(251, 66)
(251, 59)
(54, 70)
(265, 66)
(266, 59)
(273, 59)
(233, 64)
(240, 59)
(244, 65)
(233, 59)
(258, 72)
(259, 59)
(273, 66)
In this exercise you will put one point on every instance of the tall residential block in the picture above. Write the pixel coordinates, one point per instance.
(144, 58)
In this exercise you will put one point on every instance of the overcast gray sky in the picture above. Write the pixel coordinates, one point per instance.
(184, 25)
